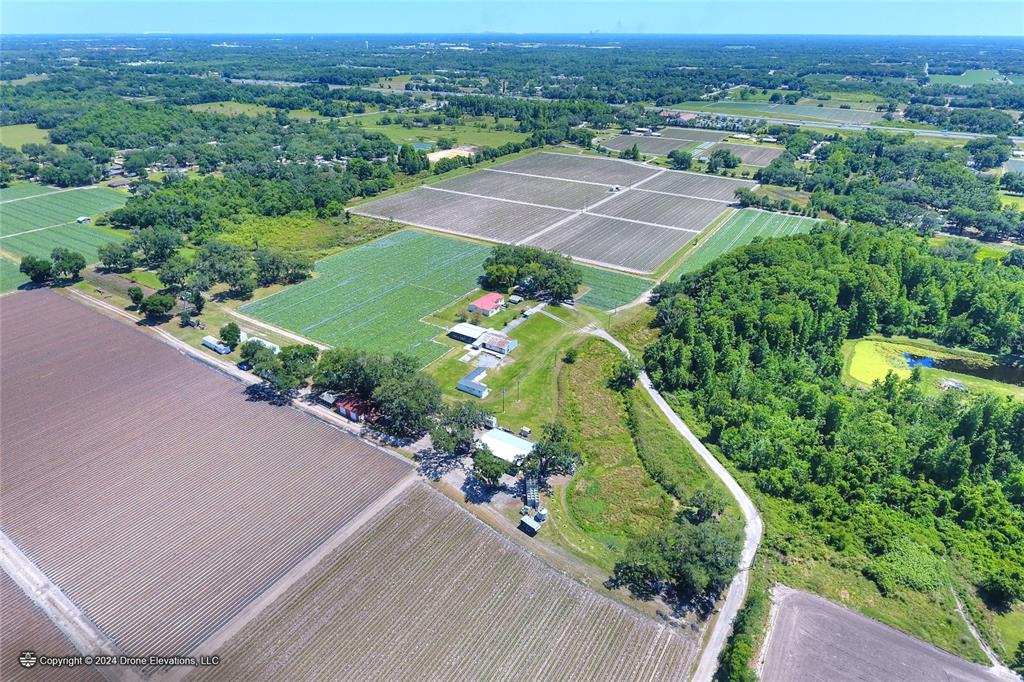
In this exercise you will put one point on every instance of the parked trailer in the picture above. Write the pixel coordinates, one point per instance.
(215, 344)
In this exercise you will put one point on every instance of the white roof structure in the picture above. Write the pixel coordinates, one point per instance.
(468, 330)
(506, 446)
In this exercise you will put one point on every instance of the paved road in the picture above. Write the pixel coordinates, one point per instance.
(812, 638)
(753, 527)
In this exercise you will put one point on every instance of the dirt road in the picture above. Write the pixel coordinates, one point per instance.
(753, 527)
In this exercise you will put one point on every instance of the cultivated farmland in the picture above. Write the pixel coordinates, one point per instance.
(24, 627)
(373, 296)
(628, 245)
(670, 139)
(579, 168)
(471, 216)
(33, 223)
(10, 277)
(427, 591)
(555, 193)
(148, 488)
(570, 203)
(751, 155)
(813, 638)
(650, 146)
(697, 185)
(741, 229)
(610, 290)
(794, 111)
(698, 134)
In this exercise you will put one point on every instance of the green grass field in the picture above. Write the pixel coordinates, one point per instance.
(33, 224)
(608, 290)
(463, 133)
(741, 229)
(826, 112)
(232, 108)
(611, 499)
(970, 77)
(372, 297)
(20, 190)
(23, 133)
(872, 358)
(10, 277)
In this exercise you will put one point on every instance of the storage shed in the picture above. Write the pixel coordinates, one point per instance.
(214, 344)
(466, 332)
(473, 384)
(352, 409)
(498, 343)
(506, 446)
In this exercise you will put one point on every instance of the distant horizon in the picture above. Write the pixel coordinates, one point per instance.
(498, 34)
(666, 18)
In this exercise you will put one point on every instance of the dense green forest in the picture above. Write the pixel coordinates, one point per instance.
(893, 477)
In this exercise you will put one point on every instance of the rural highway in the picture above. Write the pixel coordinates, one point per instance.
(752, 528)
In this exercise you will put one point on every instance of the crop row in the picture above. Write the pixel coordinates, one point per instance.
(56, 208)
(741, 229)
(148, 488)
(426, 591)
(373, 297)
(618, 243)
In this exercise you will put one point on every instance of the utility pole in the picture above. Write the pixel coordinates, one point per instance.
(503, 401)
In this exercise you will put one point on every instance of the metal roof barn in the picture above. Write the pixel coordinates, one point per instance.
(506, 446)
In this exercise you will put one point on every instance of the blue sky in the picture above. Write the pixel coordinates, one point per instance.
(865, 17)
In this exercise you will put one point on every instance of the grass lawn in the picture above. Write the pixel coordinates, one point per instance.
(10, 277)
(24, 80)
(374, 296)
(233, 108)
(528, 376)
(872, 358)
(33, 224)
(611, 499)
(1010, 629)
(317, 237)
(986, 250)
(741, 229)
(23, 133)
(146, 278)
(970, 77)
(1012, 200)
(464, 133)
(457, 312)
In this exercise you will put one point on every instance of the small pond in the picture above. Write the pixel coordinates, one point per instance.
(1005, 373)
(422, 146)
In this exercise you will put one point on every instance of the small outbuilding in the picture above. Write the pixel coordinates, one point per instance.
(497, 343)
(505, 445)
(473, 383)
(488, 304)
(352, 409)
(83, 219)
(466, 332)
(528, 524)
(215, 344)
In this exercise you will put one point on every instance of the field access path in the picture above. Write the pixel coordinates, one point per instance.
(753, 527)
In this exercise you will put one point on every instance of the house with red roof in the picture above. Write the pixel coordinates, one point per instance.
(488, 304)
